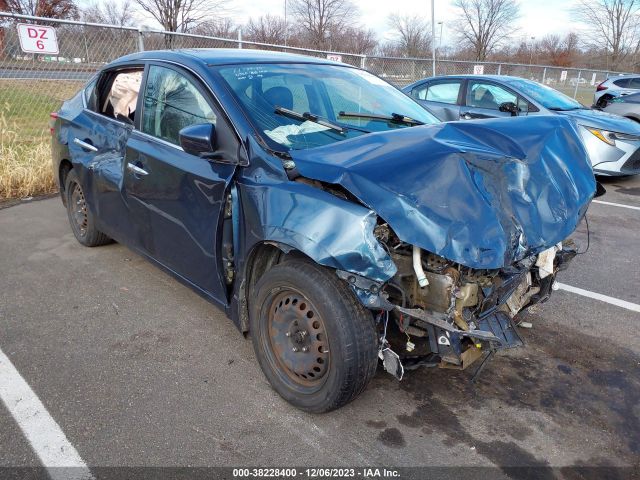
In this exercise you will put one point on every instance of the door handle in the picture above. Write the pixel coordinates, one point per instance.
(466, 116)
(85, 145)
(136, 169)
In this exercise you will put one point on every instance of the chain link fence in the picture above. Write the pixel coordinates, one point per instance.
(33, 85)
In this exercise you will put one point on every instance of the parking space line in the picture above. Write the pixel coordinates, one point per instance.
(616, 204)
(634, 307)
(47, 439)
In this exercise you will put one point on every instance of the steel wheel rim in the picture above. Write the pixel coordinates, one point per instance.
(79, 210)
(297, 338)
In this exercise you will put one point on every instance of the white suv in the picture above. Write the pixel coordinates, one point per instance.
(615, 87)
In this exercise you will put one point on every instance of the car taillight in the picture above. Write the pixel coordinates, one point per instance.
(54, 116)
(600, 87)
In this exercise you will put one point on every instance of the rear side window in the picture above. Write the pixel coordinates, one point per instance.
(634, 83)
(622, 83)
(172, 102)
(119, 95)
(443, 92)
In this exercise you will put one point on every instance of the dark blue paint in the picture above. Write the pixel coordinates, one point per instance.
(482, 195)
(198, 139)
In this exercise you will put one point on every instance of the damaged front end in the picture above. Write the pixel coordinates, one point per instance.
(475, 217)
(436, 312)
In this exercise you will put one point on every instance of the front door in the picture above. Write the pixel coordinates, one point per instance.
(177, 199)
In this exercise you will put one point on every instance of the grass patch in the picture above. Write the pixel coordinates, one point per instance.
(26, 105)
(25, 169)
(25, 152)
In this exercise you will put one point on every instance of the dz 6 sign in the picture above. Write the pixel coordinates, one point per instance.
(37, 39)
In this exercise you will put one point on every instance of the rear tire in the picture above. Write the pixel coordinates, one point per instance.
(603, 101)
(316, 344)
(80, 217)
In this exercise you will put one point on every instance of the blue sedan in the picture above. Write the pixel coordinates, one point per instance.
(328, 214)
(613, 142)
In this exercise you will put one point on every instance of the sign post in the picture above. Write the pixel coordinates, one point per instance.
(37, 39)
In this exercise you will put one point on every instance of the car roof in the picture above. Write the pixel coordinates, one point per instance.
(503, 78)
(618, 77)
(225, 56)
(496, 78)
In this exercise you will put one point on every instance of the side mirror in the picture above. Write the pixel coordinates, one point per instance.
(199, 139)
(509, 107)
(600, 190)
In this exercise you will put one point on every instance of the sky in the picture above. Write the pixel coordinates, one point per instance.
(538, 17)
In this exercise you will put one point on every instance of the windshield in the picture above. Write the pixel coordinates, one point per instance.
(298, 106)
(546, 96)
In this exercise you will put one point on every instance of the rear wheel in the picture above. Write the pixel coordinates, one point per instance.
(80, 217)
(603, 101)
(316, 344)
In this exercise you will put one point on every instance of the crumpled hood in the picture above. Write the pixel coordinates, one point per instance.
(483, 194)
(603, 120)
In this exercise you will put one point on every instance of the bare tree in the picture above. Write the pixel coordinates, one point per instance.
(412, 35)
(112, 13)
(182, 15)
(266, 29)
(355, 40)
(223, 27)
(319, 18)
(614, 22)
(559, 51)
(483, 24)
(41, 8)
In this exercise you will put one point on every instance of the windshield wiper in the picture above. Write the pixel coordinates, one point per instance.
(310, 117)
(394, 117)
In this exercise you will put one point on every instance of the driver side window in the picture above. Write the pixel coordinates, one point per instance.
(172, 102)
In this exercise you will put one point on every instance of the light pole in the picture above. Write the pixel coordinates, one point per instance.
(286, 25)
(440, 39)
(433, 36)
(531, 51)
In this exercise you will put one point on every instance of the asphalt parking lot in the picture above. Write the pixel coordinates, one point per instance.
(137, 370)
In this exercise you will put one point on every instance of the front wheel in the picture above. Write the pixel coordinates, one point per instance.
(316, 344)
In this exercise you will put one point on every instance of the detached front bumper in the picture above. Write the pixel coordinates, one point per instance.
(491, 325)
(477, 320)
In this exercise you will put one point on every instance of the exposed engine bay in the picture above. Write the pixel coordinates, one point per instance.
(436, 312)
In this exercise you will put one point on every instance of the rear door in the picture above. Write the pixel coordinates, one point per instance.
(177, 199)
(483, 98)
(442, 96)
(97, 145)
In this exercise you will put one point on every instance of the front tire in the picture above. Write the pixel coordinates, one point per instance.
(80, 216)
(316, 344)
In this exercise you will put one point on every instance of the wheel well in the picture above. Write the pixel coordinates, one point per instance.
(633, 118)
(262, 258)
(63, 171)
